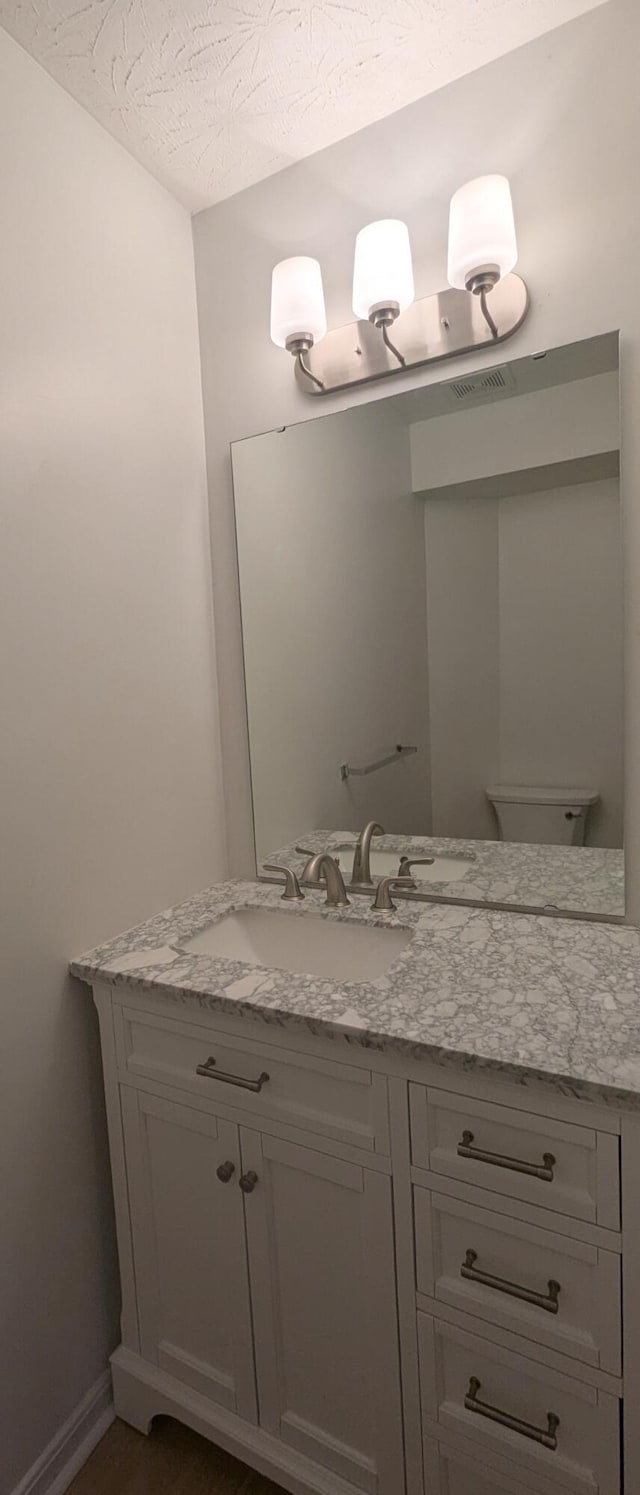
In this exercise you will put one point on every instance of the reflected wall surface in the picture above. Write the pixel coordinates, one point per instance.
(441, 571)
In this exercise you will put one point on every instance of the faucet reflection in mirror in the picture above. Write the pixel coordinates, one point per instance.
(485, 305)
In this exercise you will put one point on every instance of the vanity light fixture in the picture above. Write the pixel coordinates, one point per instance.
(482, 238)
(486, 302)
(298, 316)
(383, 276)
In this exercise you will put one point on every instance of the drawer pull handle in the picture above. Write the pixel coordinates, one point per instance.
(210, 1072)
(248, 1182)
(545, 1436)
(225, 1172)
(472, 1273)
(499, 1160)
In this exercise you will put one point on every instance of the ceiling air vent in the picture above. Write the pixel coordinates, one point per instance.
(487, 385)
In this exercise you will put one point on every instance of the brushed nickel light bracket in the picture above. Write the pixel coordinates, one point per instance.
(298, 346)
(438, 327)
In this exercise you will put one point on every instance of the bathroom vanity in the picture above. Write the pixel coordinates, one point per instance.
(379, 1234)
(377, 1172)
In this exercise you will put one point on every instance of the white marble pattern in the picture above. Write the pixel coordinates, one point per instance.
(579, 879)
(534, 999)
(213, 95)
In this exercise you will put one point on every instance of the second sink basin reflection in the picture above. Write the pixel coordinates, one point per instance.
(385, 863)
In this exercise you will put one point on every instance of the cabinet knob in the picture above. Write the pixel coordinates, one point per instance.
(248, 1182)
(225, 1171)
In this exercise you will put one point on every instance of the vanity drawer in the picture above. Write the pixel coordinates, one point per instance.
(554, 1428)
(318, 1095)
(449, 1470)
(553, 1164)
(560, 1292)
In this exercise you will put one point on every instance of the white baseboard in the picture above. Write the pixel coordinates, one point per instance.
(53, 1472)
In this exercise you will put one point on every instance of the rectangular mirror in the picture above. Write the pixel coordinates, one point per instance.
(431, 593)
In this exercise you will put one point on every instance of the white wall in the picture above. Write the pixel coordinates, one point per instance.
(561, 117)
(109, 796)
(559, 424)
(524, 602)
(463, 651)
(524, 608)
(332, 575)
(561, 683)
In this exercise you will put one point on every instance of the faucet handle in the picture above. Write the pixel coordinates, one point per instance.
(406, 863)
(383, 902)
(292, 891)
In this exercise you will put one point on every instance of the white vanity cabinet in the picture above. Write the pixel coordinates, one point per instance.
(187, 1227)
(321, 1263)
(262, 1254)
(359, 1272)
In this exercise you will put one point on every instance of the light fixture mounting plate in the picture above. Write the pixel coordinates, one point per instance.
(431, 330)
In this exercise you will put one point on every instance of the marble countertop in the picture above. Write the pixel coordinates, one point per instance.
(582, 879)
(530, 998)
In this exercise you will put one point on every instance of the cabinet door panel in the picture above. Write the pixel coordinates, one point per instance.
(189, 1248)
(323, 1293)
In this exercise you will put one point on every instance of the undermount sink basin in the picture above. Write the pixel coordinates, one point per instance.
(304, 944)
(385, 863)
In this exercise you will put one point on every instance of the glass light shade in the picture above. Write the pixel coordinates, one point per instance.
(297, 301)
(382, 269)
(482, 232)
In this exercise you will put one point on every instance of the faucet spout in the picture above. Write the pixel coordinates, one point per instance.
(361, 874)
(325, 867)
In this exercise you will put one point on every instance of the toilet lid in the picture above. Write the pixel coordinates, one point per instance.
(522, 794)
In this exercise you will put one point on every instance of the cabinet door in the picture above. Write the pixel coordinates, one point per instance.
(321, 1261)
(189, 1248)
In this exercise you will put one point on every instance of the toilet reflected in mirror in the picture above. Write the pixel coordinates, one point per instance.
(546, 817)
(431, 595)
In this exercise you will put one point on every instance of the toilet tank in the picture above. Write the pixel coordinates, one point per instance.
(549, 817)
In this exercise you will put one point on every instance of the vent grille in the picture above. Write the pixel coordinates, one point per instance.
(486, 385)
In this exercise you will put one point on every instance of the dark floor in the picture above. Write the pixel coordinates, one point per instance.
(171, 1461)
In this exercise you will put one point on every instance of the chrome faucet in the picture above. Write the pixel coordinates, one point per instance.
(361, 874)
(323, 867)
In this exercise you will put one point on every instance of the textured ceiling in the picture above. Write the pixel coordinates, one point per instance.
(213, 95)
